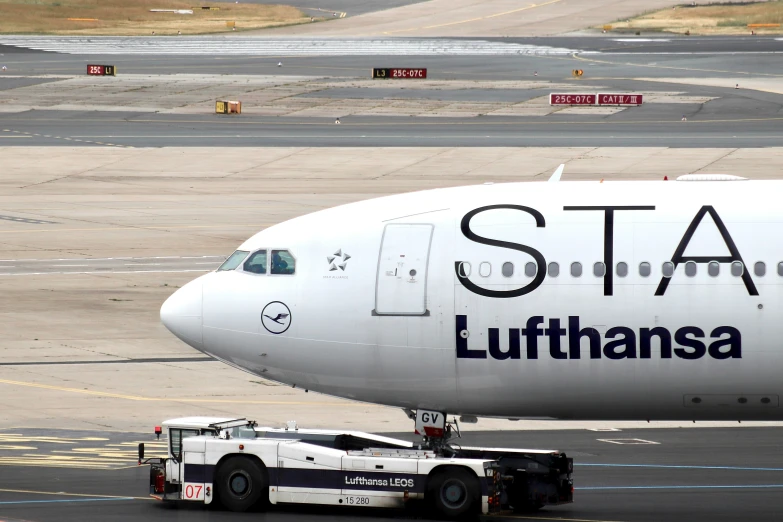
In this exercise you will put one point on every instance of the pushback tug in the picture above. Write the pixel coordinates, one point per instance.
(240, 465)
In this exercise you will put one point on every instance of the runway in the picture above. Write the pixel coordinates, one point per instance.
(38, 109)
(133, 130)
(622, 476)
(259, 46)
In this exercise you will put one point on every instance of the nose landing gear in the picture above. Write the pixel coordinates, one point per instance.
(435, 429)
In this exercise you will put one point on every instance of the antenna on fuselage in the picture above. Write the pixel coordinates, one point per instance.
(556, 175)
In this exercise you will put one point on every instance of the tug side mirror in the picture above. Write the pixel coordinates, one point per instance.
(141, 452)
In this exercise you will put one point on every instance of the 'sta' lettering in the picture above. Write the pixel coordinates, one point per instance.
(609, 239)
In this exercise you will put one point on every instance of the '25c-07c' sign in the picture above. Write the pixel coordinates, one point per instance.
(399, 73)
(595, 99)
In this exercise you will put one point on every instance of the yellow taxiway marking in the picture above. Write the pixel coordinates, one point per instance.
(64, 494)
(650, 66)
(531, 6)
(12, 137)
(174, 399)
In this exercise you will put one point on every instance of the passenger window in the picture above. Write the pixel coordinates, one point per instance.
(508, 269)
(668, 269)
(690, 268)
(645, 269)
(233, 261)
(760, 269)
(256, 263)
(553, 270)
(622, 269)
(737, 269)
(531, 269)
(485, 269)
(283, 263)
(576, 269)
(464, 269)
(713, 269)
(599, 269)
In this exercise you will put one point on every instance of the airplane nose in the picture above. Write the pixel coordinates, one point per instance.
(181, 314)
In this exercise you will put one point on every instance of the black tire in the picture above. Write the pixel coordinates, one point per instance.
(454, 492)
(241, 483)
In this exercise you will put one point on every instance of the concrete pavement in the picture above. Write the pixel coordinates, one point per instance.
(480, 18)
(81, 205)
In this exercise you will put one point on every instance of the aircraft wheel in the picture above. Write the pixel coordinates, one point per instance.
(241, 483)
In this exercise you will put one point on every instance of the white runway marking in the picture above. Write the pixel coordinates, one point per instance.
(106, 272)
(688, 53)
(109, 265)
(218, 45)
(39, 260)
(634, 40)
(628, 441)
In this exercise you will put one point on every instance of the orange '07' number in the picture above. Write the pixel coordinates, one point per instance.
(192, 491)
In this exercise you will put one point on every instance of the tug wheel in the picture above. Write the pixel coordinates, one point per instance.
(453, 492)
(241, 483)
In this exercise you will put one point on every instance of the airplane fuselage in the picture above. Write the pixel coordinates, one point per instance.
(520, 300)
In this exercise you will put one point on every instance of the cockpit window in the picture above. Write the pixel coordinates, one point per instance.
(233, 261)
(256, 263)
(283, 262)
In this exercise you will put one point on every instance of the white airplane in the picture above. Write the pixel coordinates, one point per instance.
(656, 300)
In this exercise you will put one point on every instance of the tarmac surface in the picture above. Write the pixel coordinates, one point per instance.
(340, 7)
(735, 98)
(116, 191)
(662, 128)
(479, 18)
(646, 475)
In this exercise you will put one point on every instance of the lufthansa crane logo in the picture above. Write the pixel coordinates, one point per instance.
(276, 317)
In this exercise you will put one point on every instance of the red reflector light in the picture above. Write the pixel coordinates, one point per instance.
(241, 446)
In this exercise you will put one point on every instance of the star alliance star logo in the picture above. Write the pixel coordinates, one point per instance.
(338, 260)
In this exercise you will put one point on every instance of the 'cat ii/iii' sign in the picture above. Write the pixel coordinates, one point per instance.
(572, 98)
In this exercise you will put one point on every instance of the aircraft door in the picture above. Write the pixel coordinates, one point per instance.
(401, 285)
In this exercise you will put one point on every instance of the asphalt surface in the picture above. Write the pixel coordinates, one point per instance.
(701, 474)
(652, 125)
(735, 118)
(616, 56)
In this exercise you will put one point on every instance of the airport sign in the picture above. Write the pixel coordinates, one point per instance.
(399, 73)
(101, 70)
(572, 99)
(620, 99)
